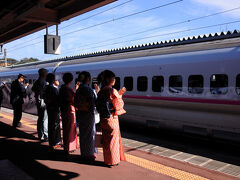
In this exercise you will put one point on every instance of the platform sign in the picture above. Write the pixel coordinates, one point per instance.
(52, 44)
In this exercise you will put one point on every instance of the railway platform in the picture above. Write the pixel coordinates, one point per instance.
(22, 156)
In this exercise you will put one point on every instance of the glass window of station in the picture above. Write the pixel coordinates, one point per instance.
(219, 84)
(142, 83)
(175, 84)
(128, 83)
(157, 83)
(195, 84)
(238, 84)
(117, 83)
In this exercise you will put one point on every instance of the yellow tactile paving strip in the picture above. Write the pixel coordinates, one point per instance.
(25, 123)
(162, 169)
(144, 163)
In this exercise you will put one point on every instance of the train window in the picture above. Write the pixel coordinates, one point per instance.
(157, 83)
(175, 84)
(195, 84)
(238, 84)
(219, 84)
(142, 83)
(117, 83)
(128, 83)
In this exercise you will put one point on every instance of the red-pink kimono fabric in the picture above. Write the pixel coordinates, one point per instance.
(70, 141)
(112, 143)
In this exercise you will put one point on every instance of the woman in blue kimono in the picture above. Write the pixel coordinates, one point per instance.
(85, 103)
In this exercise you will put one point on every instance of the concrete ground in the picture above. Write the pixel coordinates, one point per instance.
(22, 156)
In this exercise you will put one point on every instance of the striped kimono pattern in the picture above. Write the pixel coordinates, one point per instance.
(69, 124)
(68, 114)
(112, 143)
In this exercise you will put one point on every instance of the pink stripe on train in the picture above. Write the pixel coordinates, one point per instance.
(210, 101)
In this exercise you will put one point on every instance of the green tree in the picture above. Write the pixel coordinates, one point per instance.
(10, 61)
(27, 60)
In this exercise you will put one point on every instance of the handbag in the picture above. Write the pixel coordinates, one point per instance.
(98, 140)
(105, 108)
(104, 105)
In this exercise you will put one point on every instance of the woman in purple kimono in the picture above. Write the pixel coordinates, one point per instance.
(85, 103)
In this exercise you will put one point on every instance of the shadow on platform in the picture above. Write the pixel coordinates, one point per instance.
(25, 154)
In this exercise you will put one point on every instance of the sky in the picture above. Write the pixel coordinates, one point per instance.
(152, 26)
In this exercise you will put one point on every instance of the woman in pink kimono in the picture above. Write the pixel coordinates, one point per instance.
(66, 95)
(112, 143)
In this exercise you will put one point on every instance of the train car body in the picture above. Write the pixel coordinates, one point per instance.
(193, 88)
(9, 75)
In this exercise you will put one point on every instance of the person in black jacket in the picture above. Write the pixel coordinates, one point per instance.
(1, 93)
(18, 92)
(51, 99)
(38, 88)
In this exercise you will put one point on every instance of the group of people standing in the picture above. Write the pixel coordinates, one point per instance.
(76, 107)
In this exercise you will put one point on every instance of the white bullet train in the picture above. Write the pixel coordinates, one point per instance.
(190, 85)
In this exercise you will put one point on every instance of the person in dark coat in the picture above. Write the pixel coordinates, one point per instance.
(1, 93)
(38, 88)
(28, 86)
(51, 98)
(18, 92)
(77, 84)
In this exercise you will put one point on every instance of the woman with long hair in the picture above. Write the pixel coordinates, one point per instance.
(66, 94)
(108, 96)
(85, 103)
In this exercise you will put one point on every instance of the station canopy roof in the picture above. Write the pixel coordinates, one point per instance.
(19, 18)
